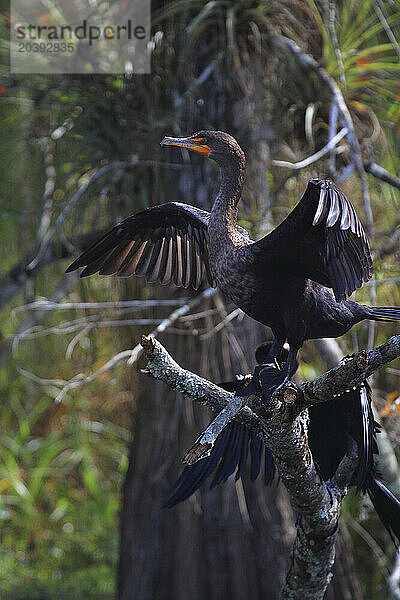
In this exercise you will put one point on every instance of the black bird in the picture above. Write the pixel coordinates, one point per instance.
(295, 280)
(332, 427)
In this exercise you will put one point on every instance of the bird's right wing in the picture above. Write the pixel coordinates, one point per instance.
(166, 243)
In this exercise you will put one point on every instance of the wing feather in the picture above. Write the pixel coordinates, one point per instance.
(128, 265)
(168, 265)
(186, 251)
(178, 261)
(154, 259)
(116, 259)
(167, 243)
(144, 260)
(96, 264)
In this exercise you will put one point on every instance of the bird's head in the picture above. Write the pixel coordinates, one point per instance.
(213, 144)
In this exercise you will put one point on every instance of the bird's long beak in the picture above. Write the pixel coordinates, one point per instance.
(194, 144)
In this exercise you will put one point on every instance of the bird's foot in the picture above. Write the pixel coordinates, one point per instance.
(253, 384)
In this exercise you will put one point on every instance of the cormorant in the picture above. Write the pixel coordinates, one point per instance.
(332, 426)
(295, 280)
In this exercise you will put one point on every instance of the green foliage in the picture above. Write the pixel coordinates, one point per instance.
(60, 475)
(362, 59)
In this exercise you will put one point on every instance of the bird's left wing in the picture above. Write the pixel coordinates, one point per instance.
(166, 243)
(322, 239)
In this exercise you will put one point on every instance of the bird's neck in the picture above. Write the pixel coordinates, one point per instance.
(224, 211)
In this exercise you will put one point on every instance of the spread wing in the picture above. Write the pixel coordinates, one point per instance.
(323, 239)
(166, 243)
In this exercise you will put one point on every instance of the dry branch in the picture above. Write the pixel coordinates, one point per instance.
(381, 173)
(314, 157)
(129, 356)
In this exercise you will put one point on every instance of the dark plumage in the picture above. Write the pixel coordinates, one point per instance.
(332, 426)
(295, 280)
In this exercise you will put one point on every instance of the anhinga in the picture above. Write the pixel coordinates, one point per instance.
(333, 426)
(295, 280)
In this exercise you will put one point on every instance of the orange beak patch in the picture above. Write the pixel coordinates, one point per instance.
(188, 143)
(201, 149)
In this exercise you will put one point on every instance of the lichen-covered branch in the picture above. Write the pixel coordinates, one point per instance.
(282, 425)
(206, 441)
(350, 372)
(161, 365)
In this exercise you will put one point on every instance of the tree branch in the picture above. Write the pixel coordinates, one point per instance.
(314, 157)
(316, 502)
(129, 356)
(162, 366)
(381, 173)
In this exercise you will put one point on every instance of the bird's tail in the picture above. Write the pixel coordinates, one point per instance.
(231, 449)
(387, 507)
(230, 452)
(384, 313)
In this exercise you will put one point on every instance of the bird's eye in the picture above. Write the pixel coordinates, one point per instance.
(200, 140)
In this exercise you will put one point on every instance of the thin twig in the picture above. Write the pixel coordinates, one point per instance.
(71, 346)
(314, 157)
(381, 173)
(333, 116)
(69, 327)
(174, 316)
(49, 147)
(369, 540)
(200, 315)
(335, 42)
(45, 304)
(132, 355)
(383, 281)
(232, 315)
